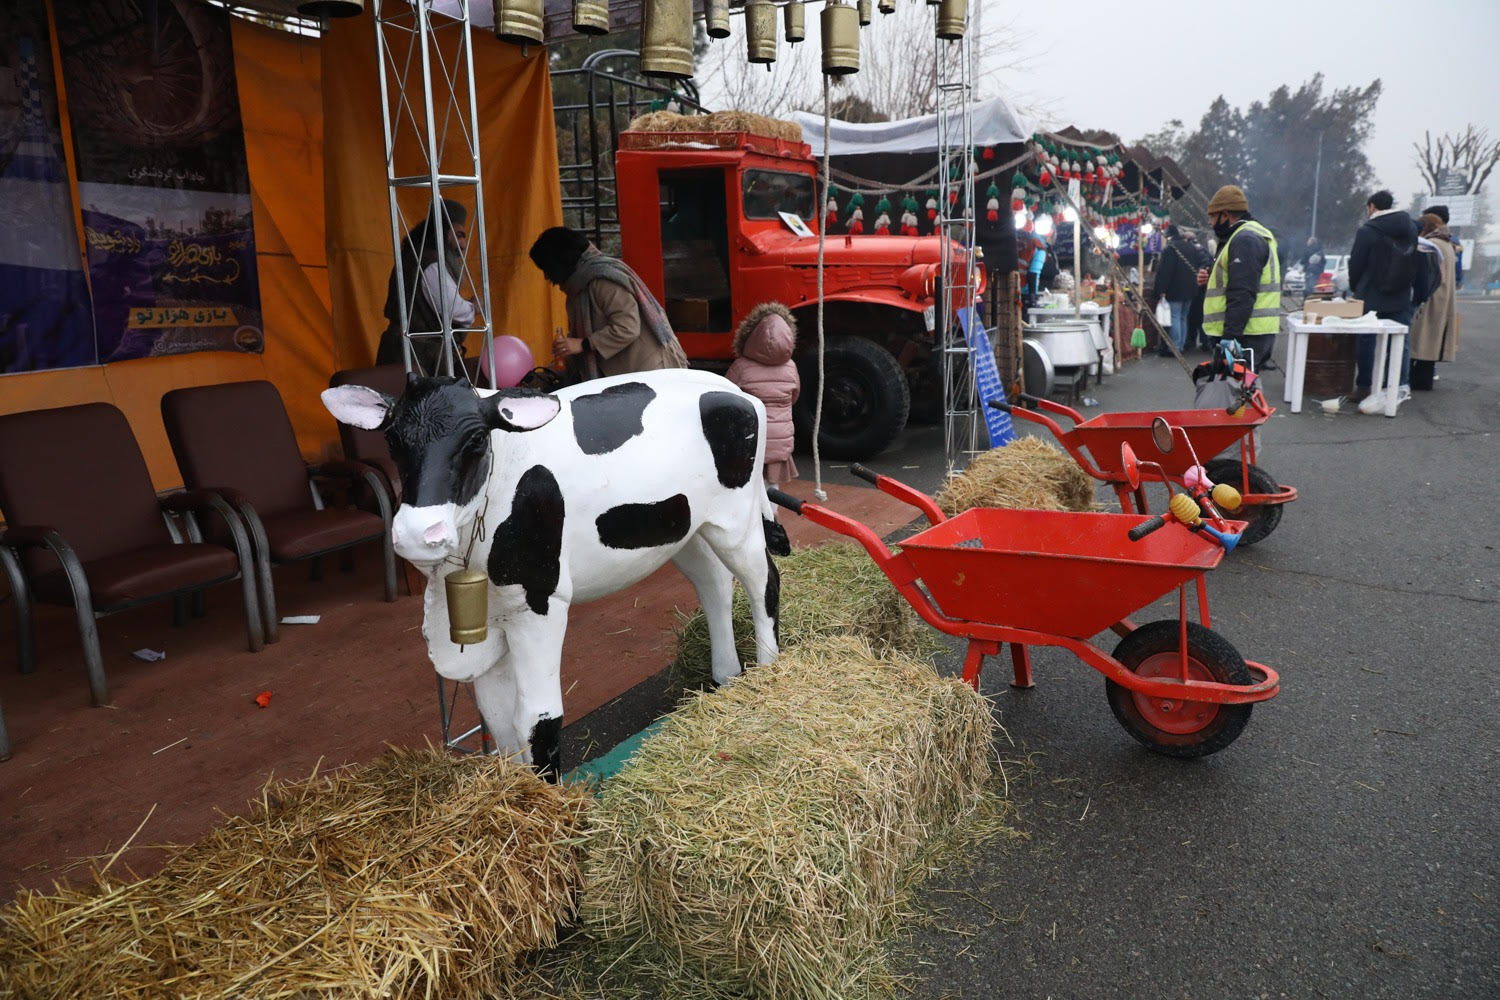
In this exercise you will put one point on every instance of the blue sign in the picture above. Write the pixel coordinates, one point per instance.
(987, 384)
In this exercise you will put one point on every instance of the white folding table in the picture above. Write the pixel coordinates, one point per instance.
(1385, 379)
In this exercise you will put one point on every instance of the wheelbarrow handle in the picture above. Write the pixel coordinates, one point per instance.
(867, 475)
(786, 500)
(1000, 404)
(1146, 527)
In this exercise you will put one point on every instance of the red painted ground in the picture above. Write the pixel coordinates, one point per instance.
(185, 738)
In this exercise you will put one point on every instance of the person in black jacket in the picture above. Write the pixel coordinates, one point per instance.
(1177, 282)
(1383, 272)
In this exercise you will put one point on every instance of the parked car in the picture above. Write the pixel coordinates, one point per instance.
(1333, 281)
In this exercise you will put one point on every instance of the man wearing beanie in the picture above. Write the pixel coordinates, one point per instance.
(1242, 299)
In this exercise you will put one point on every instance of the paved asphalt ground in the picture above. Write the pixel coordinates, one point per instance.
(1345, 846)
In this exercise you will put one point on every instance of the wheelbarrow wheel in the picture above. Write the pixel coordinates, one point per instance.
(1179, 728)
(1260, 520)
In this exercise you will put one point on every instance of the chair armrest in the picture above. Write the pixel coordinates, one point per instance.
(352, 471)
(194, 501)
(23, 536)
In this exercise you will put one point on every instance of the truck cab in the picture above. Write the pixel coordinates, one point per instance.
(716, 223)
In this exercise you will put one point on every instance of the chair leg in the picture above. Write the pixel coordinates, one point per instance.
(179, 610)
(245, 552)
(200, 603)
(25, 647)
(315, 569)
(83, 606)
(383, 501)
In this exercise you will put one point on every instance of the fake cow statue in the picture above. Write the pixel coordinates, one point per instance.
(565, 498)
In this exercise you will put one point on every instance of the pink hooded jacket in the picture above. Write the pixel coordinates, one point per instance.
(764, 368)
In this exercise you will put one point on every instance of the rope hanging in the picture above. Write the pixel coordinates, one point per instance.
(818, 490)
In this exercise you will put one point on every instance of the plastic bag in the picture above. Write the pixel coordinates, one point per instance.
(1164, 314)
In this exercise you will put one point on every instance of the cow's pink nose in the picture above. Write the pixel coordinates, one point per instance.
(435, 533)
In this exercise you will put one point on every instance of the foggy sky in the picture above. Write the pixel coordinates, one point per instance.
(1097, 65)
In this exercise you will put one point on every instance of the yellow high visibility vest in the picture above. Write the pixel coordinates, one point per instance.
(1265, 316)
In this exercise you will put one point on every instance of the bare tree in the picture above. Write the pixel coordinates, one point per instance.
(1470, 152)
(897, 76)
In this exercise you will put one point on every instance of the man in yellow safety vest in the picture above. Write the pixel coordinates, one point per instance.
(1243, 297)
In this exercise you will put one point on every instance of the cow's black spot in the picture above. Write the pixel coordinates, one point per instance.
(527, 546)
(605, 420)
(645, 525)
(777, 542)
(546, 749)
(730, 426)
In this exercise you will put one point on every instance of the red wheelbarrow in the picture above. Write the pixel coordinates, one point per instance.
(1209, 431)
(1057, 578)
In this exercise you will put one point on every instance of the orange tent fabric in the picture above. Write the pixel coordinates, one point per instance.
(315, 151)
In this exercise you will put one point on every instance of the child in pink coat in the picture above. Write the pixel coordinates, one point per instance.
(763, 367)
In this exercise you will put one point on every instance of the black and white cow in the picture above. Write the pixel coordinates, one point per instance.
(575, 495)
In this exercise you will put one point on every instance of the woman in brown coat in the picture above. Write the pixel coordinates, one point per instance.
(614, 321)
(1434, 330)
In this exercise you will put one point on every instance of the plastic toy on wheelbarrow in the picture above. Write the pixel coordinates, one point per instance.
(1057, 578)
(1211, 431)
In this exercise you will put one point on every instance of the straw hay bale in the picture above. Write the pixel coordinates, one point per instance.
(655, 121)
(1027, 474)
(826, 590)
(418, 875)
(718, 121)
(762, 837)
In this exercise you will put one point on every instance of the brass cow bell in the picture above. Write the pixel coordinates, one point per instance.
(591, 17)
(866, 12)
(520, 21)
(331, 8)
(840, 39)
(796, 21)
(760, 31)
(886, 6)
(667, 38)
(716, 18)
(468, 593)
(950, 19)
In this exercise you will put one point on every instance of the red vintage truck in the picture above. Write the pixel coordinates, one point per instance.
(718, 222)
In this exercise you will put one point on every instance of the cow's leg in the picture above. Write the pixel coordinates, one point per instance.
(495, 694)
(749, 561)
(535, 663)
(715, 586)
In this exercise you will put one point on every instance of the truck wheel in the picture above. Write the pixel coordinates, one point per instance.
(865, 398)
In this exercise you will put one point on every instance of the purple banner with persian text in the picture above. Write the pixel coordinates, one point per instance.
(45, 319)
(162, 182)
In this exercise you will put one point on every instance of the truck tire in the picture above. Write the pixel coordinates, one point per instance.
(865, 398)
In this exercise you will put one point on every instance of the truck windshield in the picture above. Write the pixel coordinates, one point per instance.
(769, 192)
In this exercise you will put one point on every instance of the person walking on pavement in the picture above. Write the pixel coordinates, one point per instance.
(1177, 282)
(1383, 272)
(1242, 300)
(1434, 329)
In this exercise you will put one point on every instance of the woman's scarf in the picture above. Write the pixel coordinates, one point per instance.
(595, 266)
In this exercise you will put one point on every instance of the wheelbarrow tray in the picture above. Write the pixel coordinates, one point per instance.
(1211, 431)
(1060, 572)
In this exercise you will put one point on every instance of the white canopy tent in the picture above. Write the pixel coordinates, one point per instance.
(995, 122)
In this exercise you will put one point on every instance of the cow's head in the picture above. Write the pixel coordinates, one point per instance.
(439, 436)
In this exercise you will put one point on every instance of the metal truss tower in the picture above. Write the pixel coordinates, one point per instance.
(960, 278)
(431, 153)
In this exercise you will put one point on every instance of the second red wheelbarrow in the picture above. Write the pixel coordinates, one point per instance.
(1056, 578)
(1095, 444)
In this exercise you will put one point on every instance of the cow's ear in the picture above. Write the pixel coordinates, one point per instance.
(521, 409)
(359, 406)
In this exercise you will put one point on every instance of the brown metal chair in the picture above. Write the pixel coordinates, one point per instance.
(236, 440)
(85, 527)
(369, 446)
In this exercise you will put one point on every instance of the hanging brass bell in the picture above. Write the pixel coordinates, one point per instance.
(716, 18)
(468, 593)
(520, 22)
(760, 31)
(795, 23)
(886, 6)
(866, 12)
(950, 19)
(840, 24)
(591, 17)
(667, 38)
(331, 8)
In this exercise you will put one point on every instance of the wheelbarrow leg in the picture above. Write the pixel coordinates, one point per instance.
(974, 659)
(1020, 659)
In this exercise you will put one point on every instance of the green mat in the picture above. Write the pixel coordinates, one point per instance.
(601, 769)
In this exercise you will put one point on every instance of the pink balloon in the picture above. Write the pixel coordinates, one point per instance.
(512, 361)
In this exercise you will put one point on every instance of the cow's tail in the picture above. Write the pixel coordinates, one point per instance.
(777, 542)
